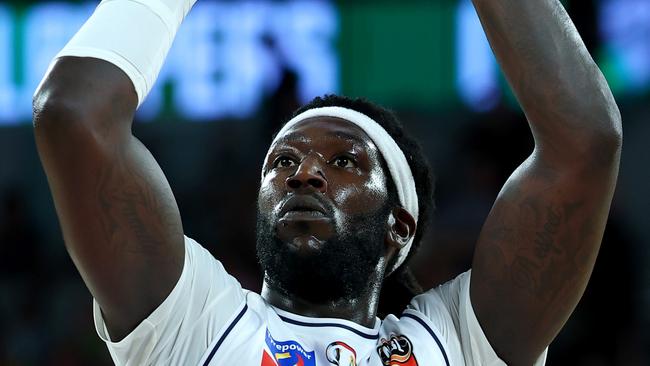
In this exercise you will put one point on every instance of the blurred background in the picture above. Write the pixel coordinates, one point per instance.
(236, 72)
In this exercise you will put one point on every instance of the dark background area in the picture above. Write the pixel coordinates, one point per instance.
(213, 168)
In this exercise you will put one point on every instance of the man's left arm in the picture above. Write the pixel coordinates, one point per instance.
(539, 244)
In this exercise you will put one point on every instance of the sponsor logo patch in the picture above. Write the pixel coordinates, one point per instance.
(286, 353)
(396, 351)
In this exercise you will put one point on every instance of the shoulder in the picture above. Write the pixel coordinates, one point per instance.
(202, 305)
(429, 327)
(449, 309)
(442, 304)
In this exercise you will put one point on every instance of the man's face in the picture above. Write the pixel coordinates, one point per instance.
(322, 211)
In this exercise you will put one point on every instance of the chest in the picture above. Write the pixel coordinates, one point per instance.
(274, 341)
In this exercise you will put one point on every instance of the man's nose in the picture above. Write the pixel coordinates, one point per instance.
(308, 175)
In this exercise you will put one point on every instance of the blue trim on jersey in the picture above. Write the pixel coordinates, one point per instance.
(225, 334)
(355, 331)
(435, 338)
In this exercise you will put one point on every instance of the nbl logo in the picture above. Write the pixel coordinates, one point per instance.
(396, 351)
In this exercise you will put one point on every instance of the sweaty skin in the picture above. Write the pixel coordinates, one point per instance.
(534, 256)
(336, 160)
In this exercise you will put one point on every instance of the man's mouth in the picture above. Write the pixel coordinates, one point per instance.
(305, 221)
(302, 206)
(302, 214)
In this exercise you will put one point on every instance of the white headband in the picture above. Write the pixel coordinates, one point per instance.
(393, 155)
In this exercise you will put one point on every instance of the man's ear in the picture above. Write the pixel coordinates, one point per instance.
(401, 228)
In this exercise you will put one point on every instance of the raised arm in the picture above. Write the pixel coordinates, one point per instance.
(118, 215)
(539, 244)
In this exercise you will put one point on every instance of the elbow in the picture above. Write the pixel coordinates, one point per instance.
(54, 110)
(601, 148)
(83, 96)
(64, 112)
(58, 117)
(612, 142)
(593, 146)
(609, 138)
(598, 129)
(596, 120)
(608, 127)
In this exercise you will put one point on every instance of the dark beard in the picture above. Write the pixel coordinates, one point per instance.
(341, 270)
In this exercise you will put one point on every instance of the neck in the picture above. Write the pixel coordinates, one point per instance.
(361, 310)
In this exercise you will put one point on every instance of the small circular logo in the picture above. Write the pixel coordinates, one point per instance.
(340, 354)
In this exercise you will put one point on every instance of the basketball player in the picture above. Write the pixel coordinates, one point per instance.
(343, 199)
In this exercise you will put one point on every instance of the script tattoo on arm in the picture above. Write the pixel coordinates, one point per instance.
(129, 206)
(525, 268)
(535, 255)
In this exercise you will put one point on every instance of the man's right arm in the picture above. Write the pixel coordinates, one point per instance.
(119, 218)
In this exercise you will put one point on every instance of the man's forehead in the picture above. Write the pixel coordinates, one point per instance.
(325, 128)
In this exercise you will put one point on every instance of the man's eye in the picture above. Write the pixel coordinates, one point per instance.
(344, 162)
(284, 162)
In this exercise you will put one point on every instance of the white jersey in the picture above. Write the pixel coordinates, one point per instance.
(208, 320)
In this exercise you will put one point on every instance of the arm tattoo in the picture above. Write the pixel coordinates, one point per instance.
(545, 239)
(527, 270)
(132, 213)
